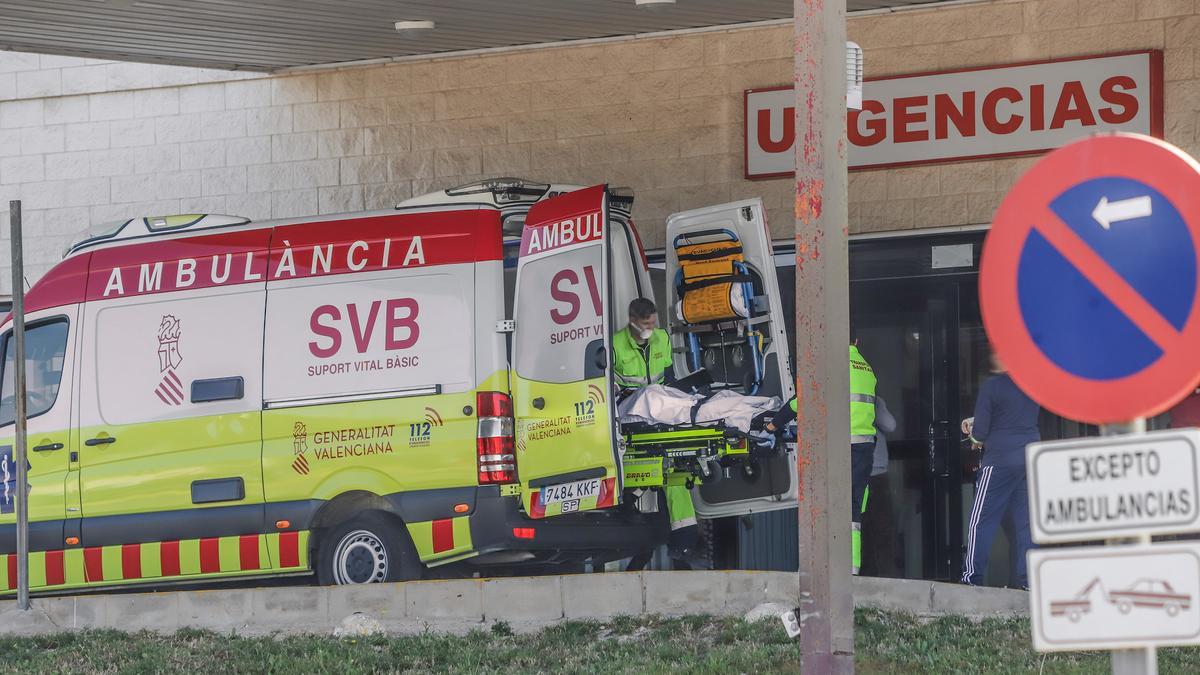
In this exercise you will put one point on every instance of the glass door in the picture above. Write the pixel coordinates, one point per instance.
(908, 331)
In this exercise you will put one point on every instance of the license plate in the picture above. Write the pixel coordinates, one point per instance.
(552, 494)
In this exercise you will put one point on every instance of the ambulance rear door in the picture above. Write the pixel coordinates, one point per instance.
(752, 349)
(566, 436)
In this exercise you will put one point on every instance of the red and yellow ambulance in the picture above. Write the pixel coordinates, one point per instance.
(361, 395)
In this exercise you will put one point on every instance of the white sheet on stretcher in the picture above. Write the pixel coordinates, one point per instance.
(658, 404)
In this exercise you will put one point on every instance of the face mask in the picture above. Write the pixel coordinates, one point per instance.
(641, 333)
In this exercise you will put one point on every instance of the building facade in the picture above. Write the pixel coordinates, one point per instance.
(85, 141)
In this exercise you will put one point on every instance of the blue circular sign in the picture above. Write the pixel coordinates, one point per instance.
(1148, 245)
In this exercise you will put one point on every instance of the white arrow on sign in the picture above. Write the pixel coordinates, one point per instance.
(1106, 213)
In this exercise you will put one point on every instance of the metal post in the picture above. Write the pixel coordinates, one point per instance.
(18, 451)
(826, 612)
(1143, 661)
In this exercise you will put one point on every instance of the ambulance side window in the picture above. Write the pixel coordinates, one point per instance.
(553, 338)
(45, 356)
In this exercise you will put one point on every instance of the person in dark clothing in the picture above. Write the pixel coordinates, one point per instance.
(1006, 420)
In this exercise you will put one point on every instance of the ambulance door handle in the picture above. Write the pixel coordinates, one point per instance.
(539, 403)
(47, 447)
(100, 440)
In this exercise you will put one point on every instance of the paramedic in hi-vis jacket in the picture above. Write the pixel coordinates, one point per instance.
(862, 440)
(641, 357)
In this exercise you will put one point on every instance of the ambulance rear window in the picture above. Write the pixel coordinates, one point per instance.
(559, 316)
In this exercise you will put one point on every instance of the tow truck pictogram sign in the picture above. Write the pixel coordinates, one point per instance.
(1123, 597)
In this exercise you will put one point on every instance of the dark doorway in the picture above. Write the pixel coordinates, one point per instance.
(923, 337)
(914, 302)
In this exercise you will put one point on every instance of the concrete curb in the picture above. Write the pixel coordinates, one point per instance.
(457, 606)
(931, 598)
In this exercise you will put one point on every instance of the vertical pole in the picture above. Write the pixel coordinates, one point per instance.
(826, 612)
(19, 441)
(1144, 660)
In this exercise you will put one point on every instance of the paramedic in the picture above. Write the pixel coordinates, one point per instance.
(641, 357)
(1005, 421)
(641, 350)
(862, 439)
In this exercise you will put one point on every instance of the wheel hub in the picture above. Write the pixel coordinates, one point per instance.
(360, 558)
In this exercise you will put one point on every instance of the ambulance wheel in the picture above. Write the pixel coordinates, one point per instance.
(370, 548)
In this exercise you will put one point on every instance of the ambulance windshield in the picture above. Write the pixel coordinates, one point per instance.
(46, 348)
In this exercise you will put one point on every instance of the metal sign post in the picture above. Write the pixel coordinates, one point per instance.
(19, 455)
(1142, 660)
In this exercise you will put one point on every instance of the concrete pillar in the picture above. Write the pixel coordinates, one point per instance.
(822, 335)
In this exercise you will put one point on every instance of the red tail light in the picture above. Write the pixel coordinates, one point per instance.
(606, 497)
(493, 404)
(524, 532)
(494, 444)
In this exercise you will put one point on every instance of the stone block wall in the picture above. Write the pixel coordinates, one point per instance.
(661, 115)
(85, 141)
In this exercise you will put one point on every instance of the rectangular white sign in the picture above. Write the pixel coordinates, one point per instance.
(1115, 486)
(1115, 597)
(971, 114)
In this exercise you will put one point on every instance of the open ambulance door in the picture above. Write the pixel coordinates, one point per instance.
(734, 328)
(566, 434)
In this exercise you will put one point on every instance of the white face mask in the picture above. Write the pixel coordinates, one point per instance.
(641, 333)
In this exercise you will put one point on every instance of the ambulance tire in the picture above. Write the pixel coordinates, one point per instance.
(372, 547)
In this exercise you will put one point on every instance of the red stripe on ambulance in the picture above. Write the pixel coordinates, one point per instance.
(55, 571)
(12, 570)
(443, 535)
(131, 561)
(210, 556)
(168, 558)
(93, 564)
(289, 549)
(248, 552)
(294, 251)
(571, 219)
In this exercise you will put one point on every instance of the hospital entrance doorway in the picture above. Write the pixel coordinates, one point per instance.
(915, 304)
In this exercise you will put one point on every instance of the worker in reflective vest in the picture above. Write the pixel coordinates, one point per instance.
(862, 442)
(641, 350)
(641, 357)
(862, 439)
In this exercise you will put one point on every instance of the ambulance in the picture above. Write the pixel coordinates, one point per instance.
(366, 396)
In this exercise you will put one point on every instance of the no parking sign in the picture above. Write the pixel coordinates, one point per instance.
(1088, 281)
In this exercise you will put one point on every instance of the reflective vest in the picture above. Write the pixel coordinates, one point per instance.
(635, 367)
(862, 399)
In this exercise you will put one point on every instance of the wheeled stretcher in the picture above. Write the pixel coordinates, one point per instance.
(658, 455)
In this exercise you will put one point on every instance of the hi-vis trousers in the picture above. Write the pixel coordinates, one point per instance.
(1000, 491)
(862, 455)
